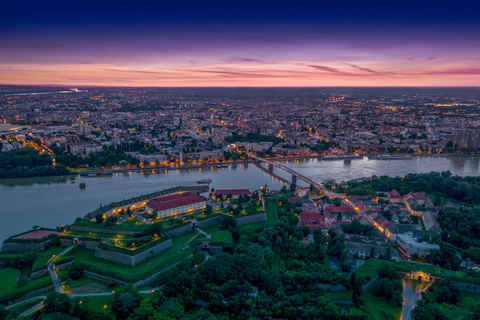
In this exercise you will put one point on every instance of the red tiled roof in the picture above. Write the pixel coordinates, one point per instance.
(394, 194)
(233, 192)
(417, 196)
(173, 201)
(340, 222)
(333, 208)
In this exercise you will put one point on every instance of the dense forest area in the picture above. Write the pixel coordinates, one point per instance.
(106, 158)
(440, 184)
(27, 162)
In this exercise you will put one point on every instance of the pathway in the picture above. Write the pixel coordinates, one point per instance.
(13, 305)
(33, 309)
(53, 273)
(208, 236)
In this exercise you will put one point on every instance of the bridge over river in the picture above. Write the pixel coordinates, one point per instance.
(329, 193)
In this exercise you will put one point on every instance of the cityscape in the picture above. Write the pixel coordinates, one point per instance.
(240, 161)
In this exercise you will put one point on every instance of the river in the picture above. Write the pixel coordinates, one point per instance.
(53, 201)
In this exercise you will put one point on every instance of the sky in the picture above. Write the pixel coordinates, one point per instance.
(240, 43)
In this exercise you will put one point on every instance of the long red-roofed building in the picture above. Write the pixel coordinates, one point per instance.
(175, 204)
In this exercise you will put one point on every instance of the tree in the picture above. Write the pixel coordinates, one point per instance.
(311, 187)
(306, 230)
(75, 272)
(125, 300)
(229, 196)
(372, 253)
(450, 292)
(228, 222)
(208, 210)
(293, 187)
(99, 218)
(57, 302)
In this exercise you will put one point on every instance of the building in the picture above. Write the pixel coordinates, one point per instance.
(410, 246)
(361, 246)
(236, 193)
(313, 220)
(418, 198)
(395, 197)
(175, 204)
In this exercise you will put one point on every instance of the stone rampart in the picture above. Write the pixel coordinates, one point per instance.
(132, 260)
(252, 219)
(97, 276)
(173, 233)
(39, 291)
(101, 230)
(64, 266)
(38, 274)
(209, 222)
(23, 246)
(114, 256)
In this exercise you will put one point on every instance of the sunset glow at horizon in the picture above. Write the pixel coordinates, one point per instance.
(119, 48)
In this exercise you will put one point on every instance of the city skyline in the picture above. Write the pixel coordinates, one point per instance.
(241, 44)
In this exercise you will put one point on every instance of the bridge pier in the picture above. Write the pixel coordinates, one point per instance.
(270, 167)
(294, 179)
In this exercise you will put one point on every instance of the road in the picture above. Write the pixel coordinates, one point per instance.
(411, 298)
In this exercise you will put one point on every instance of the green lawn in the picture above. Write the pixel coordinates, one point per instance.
(8, 278)
(375, 305)
(27, 305)
(150, 266)
(86, 285)
(10, 289)
(98, 235)
(272, 219)
(98, 303)
(44, 256)
(224, 236)
(130, 225)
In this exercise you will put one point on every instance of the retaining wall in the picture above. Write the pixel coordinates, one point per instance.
(25, 246)
(97, 276)
(252, 219)
(209, 222)
(179, 231)
(38, 274)
(132, 260)
(64, 266)
(212, 250)
(101, 230)
(39, 291)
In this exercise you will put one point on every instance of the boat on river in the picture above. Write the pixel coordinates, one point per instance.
(204, 181)
(96, 173)
(393, 157)
(341, 157)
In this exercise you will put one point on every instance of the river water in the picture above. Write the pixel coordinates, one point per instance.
(54, 201)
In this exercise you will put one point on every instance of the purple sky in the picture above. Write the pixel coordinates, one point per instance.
(242, 50)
